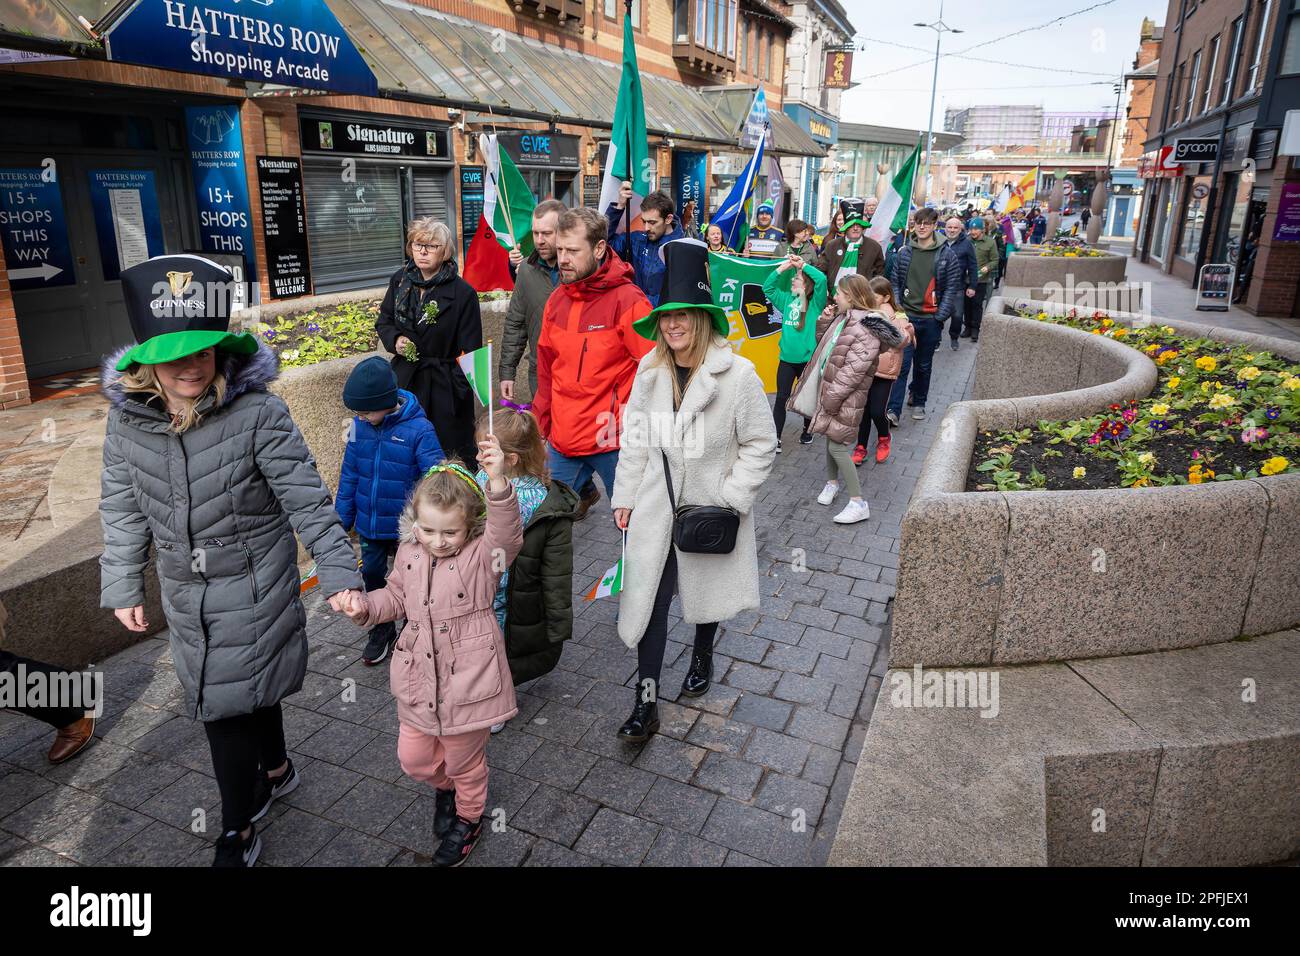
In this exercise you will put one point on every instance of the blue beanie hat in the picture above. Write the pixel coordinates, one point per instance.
(975, 223)
(372, 387)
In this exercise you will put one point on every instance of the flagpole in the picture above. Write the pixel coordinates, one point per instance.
(627, 209)
(489, 391)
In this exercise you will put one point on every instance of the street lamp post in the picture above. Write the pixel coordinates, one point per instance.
(939, 28)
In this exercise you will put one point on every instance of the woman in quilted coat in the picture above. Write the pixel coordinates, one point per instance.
(860, 333)
(207, 466)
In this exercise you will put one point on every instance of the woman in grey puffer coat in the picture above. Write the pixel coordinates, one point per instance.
(202, 462)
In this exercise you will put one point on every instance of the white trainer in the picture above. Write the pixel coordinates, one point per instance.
(854, 512)
(828, 493)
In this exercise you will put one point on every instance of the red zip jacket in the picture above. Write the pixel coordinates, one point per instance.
(587, 356)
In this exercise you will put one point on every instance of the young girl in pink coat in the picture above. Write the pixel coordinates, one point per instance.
(449, 671)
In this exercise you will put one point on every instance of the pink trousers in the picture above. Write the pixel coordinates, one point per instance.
(457, 761)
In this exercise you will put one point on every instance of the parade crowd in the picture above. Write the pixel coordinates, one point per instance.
(465, 522)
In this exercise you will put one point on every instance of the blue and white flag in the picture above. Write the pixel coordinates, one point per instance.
(733, 216)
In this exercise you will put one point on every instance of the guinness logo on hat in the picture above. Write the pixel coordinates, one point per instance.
(179, 282)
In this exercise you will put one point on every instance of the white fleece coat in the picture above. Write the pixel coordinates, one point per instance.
(721, 446)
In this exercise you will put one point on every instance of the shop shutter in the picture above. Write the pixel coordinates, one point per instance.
(429, 189)
(354, 228)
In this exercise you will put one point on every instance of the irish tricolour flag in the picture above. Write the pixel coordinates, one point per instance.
(610, 583)
(477, 366)
(629, 156)
(506, 221)
(891, 214)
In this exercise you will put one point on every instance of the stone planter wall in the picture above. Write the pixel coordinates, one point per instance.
(1096, 282)
(1031, 576)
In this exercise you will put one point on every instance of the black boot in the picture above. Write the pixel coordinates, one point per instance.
(700, 674)
(444, 812)
(643, 722)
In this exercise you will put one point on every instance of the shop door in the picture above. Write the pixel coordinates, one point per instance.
(72, 326)
(355, 228)
(1120, 226)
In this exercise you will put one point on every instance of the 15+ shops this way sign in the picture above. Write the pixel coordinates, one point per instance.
(288, 42)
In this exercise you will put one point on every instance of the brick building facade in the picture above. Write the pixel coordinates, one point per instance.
(67, 107)
(1228, 72)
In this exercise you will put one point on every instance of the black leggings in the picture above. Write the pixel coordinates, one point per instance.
(244, 746)
(786, 373)
(877, 405)
(56, 717)
(650, 652)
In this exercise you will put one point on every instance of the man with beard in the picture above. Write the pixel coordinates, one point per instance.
(587, 352)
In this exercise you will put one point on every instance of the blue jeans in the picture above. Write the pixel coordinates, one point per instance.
(576, 472)
(918, 359)
(374, 570)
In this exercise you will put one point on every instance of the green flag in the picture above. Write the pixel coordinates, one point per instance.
(477, 366)
(629, 148)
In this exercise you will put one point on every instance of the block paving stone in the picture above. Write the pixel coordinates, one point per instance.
(722, 784)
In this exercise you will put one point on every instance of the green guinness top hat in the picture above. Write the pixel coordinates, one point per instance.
(685, 286)
(179, 305)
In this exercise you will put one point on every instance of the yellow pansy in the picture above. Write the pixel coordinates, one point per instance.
(1173, 382)
(1159, 408)
(1167, 329)
(1221, 400)
(1248, 374)
(1206, 363)
(1080, 472)
(1291, 383)
(1147, 458)
(1119, 333)
(1107, 323)
(1274, 465)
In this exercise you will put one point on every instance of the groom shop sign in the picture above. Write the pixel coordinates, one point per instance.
(287, 42)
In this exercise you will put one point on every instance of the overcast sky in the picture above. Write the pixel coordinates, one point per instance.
(1102, 40)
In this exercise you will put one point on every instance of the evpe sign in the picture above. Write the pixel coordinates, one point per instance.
(289, 42)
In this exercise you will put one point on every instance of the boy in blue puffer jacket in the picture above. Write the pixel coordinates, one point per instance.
(390, 447)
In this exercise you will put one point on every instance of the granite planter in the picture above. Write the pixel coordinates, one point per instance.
(1037, 576)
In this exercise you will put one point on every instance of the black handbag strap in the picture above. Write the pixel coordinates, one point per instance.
(668, 480)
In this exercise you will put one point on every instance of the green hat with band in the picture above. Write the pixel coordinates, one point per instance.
(854, 212)
(177, 306)
(685, 286)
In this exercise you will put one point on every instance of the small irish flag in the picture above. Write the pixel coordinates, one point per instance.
(891, 214)
(477, 366)
(611, 583)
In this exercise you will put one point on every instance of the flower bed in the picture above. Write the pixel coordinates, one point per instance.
(1069, 248)
(332, 332)
(1218, 413)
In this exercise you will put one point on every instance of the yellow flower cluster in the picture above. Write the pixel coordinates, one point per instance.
(1147, 458)
(1291, 383)
(1196, 474)
(1173, 382)
(1159, 408)
(1206, 363)
(1119, 333)
(1248, 374)
(1274, 465)
(1221, 400)
(1080, 472)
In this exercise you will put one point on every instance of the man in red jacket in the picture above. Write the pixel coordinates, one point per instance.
(588, 352)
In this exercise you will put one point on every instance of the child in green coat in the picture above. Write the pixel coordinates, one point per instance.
(798, 291)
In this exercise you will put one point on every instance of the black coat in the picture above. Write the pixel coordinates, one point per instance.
(436, 378)
(539, 594)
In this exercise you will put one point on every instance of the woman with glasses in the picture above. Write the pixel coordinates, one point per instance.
(428, 319)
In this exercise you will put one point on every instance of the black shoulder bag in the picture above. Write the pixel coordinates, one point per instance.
(701, 529)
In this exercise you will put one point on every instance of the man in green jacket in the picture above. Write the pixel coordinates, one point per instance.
(798, 291)
(986, 271)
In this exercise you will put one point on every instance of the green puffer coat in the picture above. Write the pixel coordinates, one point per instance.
(220, 503)
(539, 595)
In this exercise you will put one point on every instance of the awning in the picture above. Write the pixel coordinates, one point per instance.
(732, 104)
(418, 52)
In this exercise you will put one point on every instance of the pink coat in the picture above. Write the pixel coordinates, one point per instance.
(449, 671)
(891, 360)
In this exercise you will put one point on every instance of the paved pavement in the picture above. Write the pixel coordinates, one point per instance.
(753, 773)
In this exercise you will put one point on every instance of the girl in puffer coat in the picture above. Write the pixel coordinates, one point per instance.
(449, 671)
(860, 333)
(204, 464)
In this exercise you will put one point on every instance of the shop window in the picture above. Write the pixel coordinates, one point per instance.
(614, 11)
(1191, 86)
(1194, 215)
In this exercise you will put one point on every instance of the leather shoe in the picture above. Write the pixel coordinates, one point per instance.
(698, 676)
(643, 722)
(72, 739)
